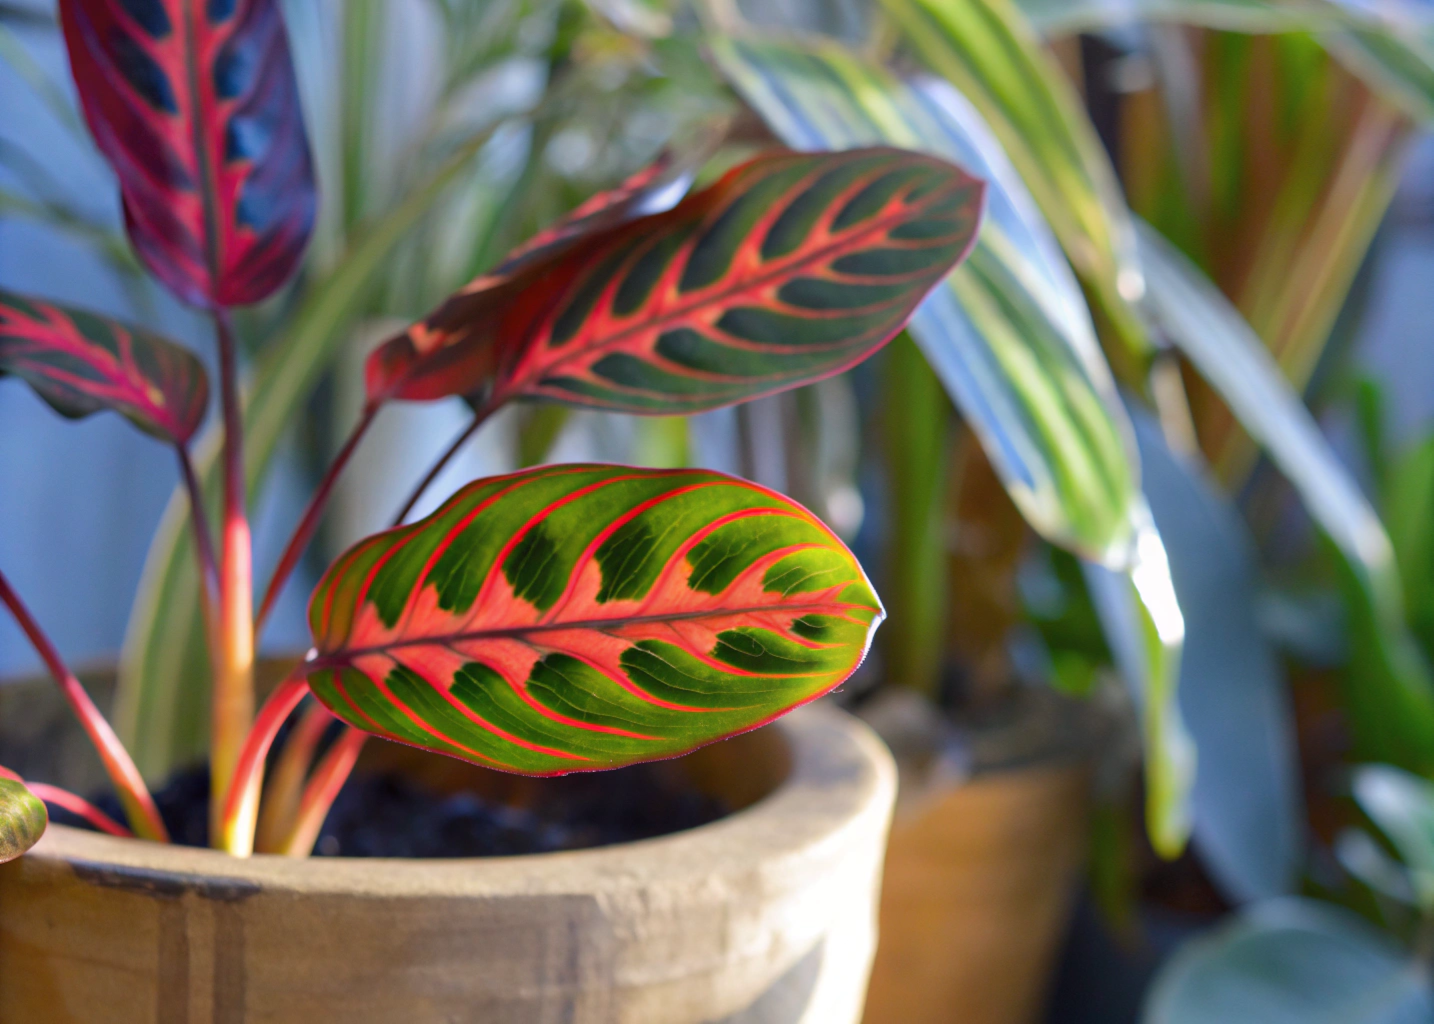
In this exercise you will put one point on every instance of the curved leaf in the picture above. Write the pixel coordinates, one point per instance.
(81, 363)
(576, 618)
(792, 267)
(1292, 961)
(196, 107)
(1402, 805)
(22, 819)
(1010, 335)
(988, 50)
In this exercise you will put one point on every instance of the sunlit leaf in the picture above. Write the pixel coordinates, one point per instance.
(577, 618)
(22, 819)
(1010, 335)
(81, 363)
(1402, 805)
(196, 107)
(991, 53)
(792, 267)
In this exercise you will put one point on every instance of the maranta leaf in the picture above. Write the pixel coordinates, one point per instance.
(577, 618)
(23, 819)
(195, 104)
(791, 267)
(81, 363)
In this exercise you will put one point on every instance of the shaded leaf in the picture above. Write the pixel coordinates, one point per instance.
(1402, 805)
(1292, 962)
(81, 363)
(1392, 690)
(790, 268)
(577, 618)
(197, 109)
(1248, 811)
(22, 819)
(1010, 335)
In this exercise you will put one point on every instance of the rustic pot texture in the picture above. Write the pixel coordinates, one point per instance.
(982, 868)
(764, 917)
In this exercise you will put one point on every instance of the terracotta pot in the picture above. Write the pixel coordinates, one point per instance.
(764, 917)
(982, 868)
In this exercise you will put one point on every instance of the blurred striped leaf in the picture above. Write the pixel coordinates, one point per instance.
(1390, 45)
(992, 54)
(1009, 335)
(1392, 688)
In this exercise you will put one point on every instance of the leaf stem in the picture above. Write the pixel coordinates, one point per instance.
(304, 532)
(480, 416)
(233, 698)
(323, 788)
(134, 794)
(239, 811)
(203, 541)
(285, 790)
(80, 807)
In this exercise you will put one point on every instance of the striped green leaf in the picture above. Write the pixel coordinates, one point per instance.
(990, 52)
(22, 819)
(81, 363)
(791, 267)
(577, 618)
(1009, 334)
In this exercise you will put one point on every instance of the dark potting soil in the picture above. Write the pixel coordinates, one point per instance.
(388, 815)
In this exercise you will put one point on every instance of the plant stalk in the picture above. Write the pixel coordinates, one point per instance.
(284, 793)
(480, 416)
(323, 788)
(129, 784)
(232, 710)
(304, 532)
(240, 811)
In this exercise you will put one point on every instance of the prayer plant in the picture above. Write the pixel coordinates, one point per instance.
(566, 618)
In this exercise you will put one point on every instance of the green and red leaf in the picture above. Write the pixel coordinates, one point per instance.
(23, 818)
(196, 106)
(578, 618)
(81, 363)
(791, 267)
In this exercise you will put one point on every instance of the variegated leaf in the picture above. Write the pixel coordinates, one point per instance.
(195, 104)
(22, 819)
(577, 618)
(81, 363)
(792, 267)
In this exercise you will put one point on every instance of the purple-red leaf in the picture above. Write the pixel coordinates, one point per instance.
(195, 104)
(576, 618)
(81, 363)
(793, 266)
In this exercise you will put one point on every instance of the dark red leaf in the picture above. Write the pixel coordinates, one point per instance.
(195, 104)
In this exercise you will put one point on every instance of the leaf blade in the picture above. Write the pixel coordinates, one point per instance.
(579, 618)
(197, 109)
(80, 364)
(792, 267)
(23, 819)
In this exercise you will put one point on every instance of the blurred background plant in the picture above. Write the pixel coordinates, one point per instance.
(1185, 221)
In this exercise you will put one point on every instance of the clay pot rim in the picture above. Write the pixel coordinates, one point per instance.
(840, 775)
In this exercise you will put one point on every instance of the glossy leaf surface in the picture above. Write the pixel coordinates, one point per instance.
(1009, 334)
(577, 618)
(22, 819)
(791, 267)
(194, 103)
(81, 363)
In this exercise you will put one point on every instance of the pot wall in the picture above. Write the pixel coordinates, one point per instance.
(765, 917)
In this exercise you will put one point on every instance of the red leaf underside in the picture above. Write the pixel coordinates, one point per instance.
(790, 268)
(195, 104)
(81, 364)
(579, 618)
